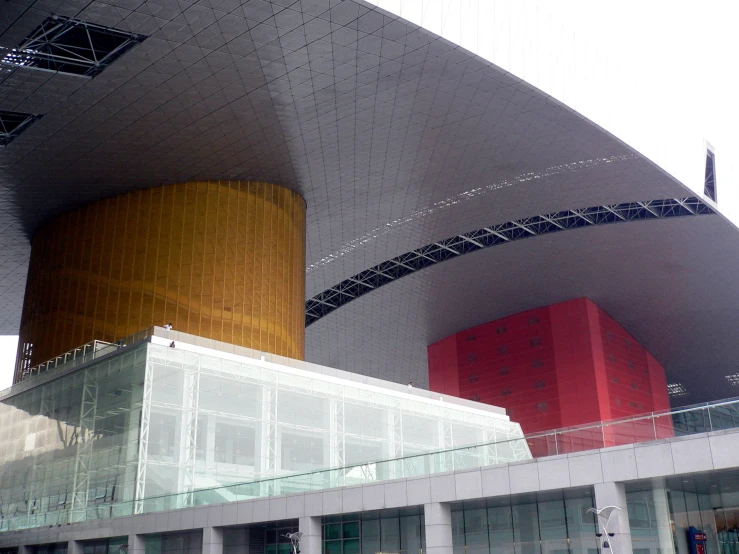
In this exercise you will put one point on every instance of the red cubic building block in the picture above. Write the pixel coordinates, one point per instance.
(564, 365)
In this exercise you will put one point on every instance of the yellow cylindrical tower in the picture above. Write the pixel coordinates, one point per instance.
(219, 259)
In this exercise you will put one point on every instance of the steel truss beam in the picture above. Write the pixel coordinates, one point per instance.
(13, 124)
(386, 272)
(71, 46)
(83, 462)
(140, 491)
(190, 415)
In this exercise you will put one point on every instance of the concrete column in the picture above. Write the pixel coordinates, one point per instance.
(136, 544)
(24, 550)
(310, 542)
(614, 494)
(212, 540)
(438, 521)
(74, 547)
(662, 511)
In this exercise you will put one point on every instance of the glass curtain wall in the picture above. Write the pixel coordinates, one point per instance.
(268, 538)
(557, 526)
(57, 548)
(708, 511)
(727, 529)
(105, 546)
(69, 447)
(384, 531)
(184, 542)
(216, 421)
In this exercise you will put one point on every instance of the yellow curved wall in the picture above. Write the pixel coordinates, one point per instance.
(223, 260)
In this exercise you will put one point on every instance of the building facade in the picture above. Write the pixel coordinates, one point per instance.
(558, 366)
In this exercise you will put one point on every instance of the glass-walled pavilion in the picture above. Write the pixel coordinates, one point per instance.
(140, 429)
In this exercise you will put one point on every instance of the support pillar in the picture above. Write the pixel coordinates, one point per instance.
(212, 540)
(136, 544)
(614, 494)
(310, 542)
(24, 550)
(662, 511)
(438, 521)
(75, 547)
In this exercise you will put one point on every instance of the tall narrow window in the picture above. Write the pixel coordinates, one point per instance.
(709, 184)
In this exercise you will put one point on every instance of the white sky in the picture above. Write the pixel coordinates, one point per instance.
(660, 75)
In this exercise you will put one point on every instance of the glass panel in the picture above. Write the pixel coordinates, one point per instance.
(351, 546)
(458, 539)
(500, 525)
(476, 531)
(581, 525)
(553, 526)
(526, 529)
(333, 547)
(370, 536)
(410, 534)
(350, 530)
(389, 535)
(332, 531)
(643, 521)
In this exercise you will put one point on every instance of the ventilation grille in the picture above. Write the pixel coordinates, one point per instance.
(13, 124)
(71, 46)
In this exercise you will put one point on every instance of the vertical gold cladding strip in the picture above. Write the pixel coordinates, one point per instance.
(106, 268)
(145, 306)
(102, 285)
(253, 271)
(156, 300)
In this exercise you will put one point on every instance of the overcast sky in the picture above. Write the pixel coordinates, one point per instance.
(660, 75)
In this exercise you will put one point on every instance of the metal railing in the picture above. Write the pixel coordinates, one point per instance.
(701, 418)
(86, 352)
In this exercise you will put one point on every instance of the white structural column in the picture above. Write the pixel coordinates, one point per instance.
(212, 540)
(310, 542)
(74, 547)
(662, 511)
(136, 544)
(438, 521)
(614, 494)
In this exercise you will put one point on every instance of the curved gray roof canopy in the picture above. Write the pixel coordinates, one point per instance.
(396, 139)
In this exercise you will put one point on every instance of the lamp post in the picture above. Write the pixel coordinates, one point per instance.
(604, 518)
(294, 541)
